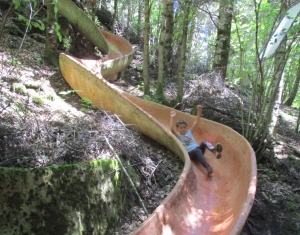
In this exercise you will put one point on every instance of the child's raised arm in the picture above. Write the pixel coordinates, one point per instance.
(199, 112)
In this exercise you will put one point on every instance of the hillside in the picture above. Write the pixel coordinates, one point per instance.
(29, 86)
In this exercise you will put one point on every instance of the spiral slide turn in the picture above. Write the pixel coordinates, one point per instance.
(197, 204)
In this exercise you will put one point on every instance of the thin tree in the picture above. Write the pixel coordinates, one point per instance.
(293, 94)
(163, 47)
(256, 128)
(269, 91)
(298, 122)
(6, 16)
(129, 13)
(115, 16)
(222, 47)
(147, 9)
(140, 16)
(277, 81)
(51, 44)
(168, 52)
(183, 48)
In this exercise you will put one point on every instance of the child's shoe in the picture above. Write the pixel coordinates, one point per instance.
(219, 149)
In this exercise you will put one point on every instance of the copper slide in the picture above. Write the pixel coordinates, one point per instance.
(197, 204)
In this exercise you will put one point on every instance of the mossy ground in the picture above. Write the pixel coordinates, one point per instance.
(84, 198)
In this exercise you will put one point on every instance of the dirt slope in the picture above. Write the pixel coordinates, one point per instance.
(276, 208)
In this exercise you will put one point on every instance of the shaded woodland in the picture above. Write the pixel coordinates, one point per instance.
(187, 52)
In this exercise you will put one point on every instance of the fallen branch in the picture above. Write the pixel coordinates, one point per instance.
(155, 168)
(296, 189)
(126, 173)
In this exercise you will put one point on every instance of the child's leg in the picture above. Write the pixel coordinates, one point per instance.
(205, 144)
(197, 154)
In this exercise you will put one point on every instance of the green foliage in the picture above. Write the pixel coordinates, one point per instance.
(55, 8)
(157, 99)
(153, 99)
(253, 25)
(16, 3)
(38, 100)
(139, 69)
(19, 88)
(37, 24)
(57, 28)
(296, 215)
(15, 62)
(141, 86)
(242, 68)
(50, 97)
(67, 43)
(97, 22)
(291, 205)
(86, 104)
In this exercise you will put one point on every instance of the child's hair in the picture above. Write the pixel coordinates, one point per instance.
(181, 121)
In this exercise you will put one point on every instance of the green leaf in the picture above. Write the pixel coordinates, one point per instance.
(20, 17)
(39, 24)
(16, 3)
(34, 4)
(57, 28)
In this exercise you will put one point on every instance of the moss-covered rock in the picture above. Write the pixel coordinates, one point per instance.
(19, 88)
(85, 198)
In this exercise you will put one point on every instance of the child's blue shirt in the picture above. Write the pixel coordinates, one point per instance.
(188, 141)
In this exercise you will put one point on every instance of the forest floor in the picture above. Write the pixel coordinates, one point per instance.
(26, 79)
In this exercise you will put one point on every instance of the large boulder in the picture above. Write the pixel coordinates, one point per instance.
(84, 198)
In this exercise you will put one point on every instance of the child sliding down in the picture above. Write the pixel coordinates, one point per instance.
(195, 151)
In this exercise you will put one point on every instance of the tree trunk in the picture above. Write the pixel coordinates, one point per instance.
(146, 48)
(51, 53)
(139, 28)
(159, 86)
(129, 14)
(161, 53)
(222, 47)
(168, 50)
(293, 94)
(275, 97)
(191, 35)
(186, 11)
(6, 17)
(115, 16)
(276, 108)
(298, 122)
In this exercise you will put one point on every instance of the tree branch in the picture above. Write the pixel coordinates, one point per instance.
(126, 173)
